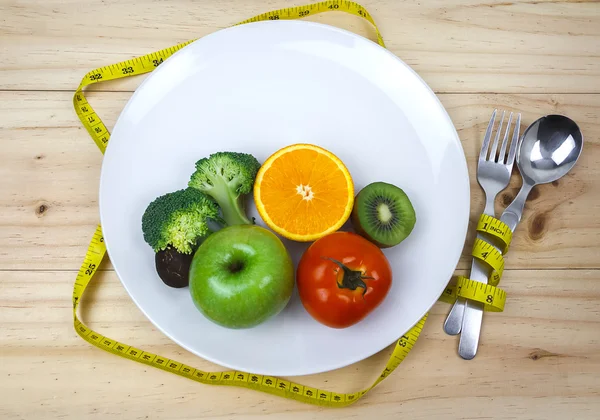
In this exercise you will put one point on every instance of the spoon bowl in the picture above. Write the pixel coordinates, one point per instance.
(550, 146)
(549, 149)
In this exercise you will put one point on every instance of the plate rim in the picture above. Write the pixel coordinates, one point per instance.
(463, 163)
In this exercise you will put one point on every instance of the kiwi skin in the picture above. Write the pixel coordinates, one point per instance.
(358, 229)
(357, 225)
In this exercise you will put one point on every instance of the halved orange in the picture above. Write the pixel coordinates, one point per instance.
(304, 192)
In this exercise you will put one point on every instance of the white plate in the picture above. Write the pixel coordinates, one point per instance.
(256, 88)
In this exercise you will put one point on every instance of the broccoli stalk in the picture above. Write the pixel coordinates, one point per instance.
(227, 177)
(178, 219)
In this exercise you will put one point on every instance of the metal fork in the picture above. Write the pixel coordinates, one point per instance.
(493, 175)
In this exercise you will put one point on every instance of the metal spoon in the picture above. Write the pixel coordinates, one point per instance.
(549, 149)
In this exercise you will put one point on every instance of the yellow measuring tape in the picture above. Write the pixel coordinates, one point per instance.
(97, 249)
(496, 228)
(145, 64)
(491, 296)
(269, 384)
(485, 252)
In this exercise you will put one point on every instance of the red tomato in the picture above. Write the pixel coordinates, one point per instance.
(341, 278)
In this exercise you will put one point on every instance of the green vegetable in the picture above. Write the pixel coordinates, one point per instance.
(227, 177)
(178, 219)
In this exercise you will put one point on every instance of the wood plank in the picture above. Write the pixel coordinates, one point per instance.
(48, 196)
(538, 359)
(456, 45)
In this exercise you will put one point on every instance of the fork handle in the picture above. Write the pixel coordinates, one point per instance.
(454, 320)
(453, 323)
(473, 312)
(489, 205)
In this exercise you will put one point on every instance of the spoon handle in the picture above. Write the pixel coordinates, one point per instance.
(473, 312)
(512, 214)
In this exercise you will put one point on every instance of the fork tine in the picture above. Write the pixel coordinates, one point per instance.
(495, 145)
(514, 144)
(488, 135)
(502, 155)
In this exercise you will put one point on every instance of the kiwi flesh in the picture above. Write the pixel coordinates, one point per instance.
(383, 214)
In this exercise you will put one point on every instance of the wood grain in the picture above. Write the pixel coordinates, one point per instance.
(456, 46)
(538, 359)
(50, 207)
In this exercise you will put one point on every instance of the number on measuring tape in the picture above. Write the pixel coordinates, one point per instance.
(495, 229)
(492, 297)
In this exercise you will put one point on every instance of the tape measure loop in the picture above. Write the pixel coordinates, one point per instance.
(97, 249)
(490, 256)
(493, 298)
(497, 229)
(280, 387)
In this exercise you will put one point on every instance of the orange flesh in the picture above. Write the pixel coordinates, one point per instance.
(304, 192)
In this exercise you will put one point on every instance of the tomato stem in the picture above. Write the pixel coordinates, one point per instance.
(351, 279)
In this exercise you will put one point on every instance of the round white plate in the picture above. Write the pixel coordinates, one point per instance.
(258, 87)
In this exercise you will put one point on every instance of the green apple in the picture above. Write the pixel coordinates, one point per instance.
(241, 276)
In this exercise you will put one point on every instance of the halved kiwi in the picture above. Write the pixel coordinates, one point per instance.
(383, 214)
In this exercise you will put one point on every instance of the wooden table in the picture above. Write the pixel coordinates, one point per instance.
(540, 358)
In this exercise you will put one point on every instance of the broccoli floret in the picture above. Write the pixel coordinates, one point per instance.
(178, 219)
(227, 177)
